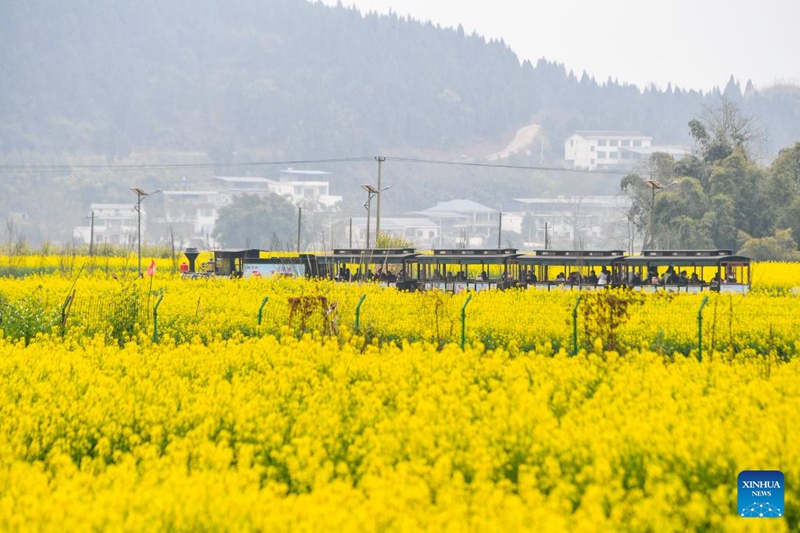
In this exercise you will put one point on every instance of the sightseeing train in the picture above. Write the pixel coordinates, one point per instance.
(458, 270)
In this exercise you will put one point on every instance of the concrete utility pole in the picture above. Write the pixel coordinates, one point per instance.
(380, 161)
(546, 240)
(500, 230)
(299, 218)
(91, 236)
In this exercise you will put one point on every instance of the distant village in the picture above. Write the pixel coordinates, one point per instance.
(563, 222)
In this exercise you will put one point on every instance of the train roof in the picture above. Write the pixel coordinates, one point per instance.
(369, 255)
(468, 256)
(572, 257)
(685, 258)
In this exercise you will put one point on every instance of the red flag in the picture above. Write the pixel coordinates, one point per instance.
(151, 269)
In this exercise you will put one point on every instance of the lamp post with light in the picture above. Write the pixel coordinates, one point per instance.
(654, 187)
(371, 193)
(140, 195)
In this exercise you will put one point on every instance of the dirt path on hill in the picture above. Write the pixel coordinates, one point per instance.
(524, 138)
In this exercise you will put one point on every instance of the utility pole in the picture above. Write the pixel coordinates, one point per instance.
(500, 230)
(299, 219)
(91, 236)
(546, 240)
(380, 161)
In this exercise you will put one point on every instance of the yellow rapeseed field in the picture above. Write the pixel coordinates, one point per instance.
(317, 414)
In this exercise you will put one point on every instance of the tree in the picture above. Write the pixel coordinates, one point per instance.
(720, 222)
(790, 219)
(780, 247)
(722, 129)
(387, 240)
(253, 221)
(659, 167)
(787, 164)
(678, 215)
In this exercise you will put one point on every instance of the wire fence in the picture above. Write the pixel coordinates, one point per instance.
(527, 320)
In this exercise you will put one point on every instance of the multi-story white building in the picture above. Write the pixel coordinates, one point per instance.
(605, 149)
(293, 185)
(422, 232)
(599, 150)
(298, 187)
(564, 222)
(464, 223)
(113, 224)
(192, 212)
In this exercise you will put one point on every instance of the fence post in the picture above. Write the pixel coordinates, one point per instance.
(64, 313)
(261, 309)
(358, 311)
(700, 329)
(464, 322)
(575, 326)
(155, 319)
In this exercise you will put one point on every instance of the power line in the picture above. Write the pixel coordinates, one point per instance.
(29, 169)
(155, 166)
(513, 167)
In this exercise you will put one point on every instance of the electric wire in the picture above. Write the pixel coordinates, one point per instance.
(31, 169)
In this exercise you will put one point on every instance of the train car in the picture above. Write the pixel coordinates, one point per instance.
(389, 267)
(459, 270)
(577, 269)
(689, 271)
(246, 263)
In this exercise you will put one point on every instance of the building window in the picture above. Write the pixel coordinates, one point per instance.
(613, 143)
(601, 155)
(591, 148)
(601, 142)
(613, 155)
(637, 143)
(626, 143)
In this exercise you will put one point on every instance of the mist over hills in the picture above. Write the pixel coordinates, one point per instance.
(226, 83)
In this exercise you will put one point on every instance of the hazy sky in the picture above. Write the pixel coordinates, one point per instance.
(695, 44)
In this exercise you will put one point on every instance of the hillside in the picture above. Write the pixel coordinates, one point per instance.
(230, 83)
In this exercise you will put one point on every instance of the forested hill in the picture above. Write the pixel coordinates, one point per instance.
(288, 78)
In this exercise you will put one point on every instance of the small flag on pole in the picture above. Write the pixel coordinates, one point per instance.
(151, 269)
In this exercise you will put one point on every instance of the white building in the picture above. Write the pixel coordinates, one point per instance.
(423, 232)
(293, 185)
(113, 224)
(599, 150)
(592, 222)
(464, 223)
(304, 189)
(193, 212)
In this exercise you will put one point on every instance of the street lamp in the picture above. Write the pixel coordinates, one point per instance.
(654, 186)
(371, 193)
(140, 195)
